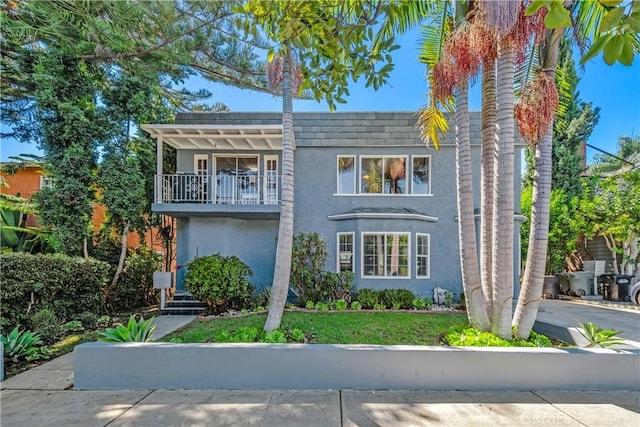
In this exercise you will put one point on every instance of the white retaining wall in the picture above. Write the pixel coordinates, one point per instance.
(319, 366)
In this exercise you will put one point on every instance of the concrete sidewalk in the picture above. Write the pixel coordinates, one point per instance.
(44, 396)
(192, 408)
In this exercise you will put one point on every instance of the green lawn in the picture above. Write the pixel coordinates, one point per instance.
(390, 328)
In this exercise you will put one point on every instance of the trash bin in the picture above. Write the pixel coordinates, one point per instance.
(615, 286)
(563, 283)
(550, 287)
(580, 283)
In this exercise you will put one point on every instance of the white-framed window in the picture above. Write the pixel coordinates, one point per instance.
(345, 251)
(385, 255)
(46, 181)
(346, 174)
(421, 174)
(383, 175)
(422, 255)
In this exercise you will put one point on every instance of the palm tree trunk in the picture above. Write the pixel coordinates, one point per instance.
(531, 292)
(502, 266)
(476, 310)
(486, 186)
(282, 271)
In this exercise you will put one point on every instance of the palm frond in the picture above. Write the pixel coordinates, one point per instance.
(434, 34)
(401, 17)
(432, 121)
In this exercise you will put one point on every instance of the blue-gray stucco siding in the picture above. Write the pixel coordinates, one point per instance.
(320, 138)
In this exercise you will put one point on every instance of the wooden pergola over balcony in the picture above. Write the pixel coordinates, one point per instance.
(258, 190)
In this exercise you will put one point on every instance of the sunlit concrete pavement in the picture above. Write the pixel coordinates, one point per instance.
(318, 408)
(44, 396)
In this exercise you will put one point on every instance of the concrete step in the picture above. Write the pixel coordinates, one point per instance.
(186, 303)
(182, 311)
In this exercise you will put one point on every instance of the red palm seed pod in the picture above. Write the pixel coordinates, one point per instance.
(536, 108)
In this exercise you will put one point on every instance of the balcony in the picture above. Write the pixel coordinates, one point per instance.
(236, 196)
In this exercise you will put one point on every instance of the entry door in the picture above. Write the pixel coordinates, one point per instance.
(271, 180)
(201, 170)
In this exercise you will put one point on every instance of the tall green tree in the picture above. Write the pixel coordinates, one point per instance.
(323, 44)
(62, 58)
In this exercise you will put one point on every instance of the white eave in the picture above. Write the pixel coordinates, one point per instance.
(218, 137)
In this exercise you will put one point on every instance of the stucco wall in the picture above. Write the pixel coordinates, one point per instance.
(320, 138)
(253, 241)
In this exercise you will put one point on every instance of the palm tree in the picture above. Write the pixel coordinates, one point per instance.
(282, 271)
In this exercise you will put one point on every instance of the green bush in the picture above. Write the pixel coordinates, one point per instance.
(397, 298)
(68, 286)
(308, 281)
(135, 287)
(368, 297)
(220, 281)
(341, 304)
(419, 303)
(48, 326)
(355, 305)
(466, 336)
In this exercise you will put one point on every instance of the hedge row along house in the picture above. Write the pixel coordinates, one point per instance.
(385, 203)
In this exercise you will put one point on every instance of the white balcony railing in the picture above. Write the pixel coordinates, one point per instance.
(220, 189)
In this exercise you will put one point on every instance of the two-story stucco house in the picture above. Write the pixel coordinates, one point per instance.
(385, 203)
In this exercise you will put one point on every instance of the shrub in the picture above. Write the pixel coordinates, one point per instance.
(220, 281)
(397, 298)
(133, 331)
(89, 320)
(48, 326)
(341, 304)
(66, 285)
(297, 335)
(135, 287)
(275, 336)
(355, 305)
(466, 336)
(310, 305)
(419, 303)
(379, 306)
(307, 259)
(20, 344)
(368, 297)
(429, 302)
(322, 306)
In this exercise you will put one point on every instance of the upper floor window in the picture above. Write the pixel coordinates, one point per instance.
(383, 175)
(46, 181)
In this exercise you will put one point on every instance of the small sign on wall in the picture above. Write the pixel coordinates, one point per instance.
(163, 280)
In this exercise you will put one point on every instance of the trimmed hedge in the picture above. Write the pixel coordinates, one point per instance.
(66, 285)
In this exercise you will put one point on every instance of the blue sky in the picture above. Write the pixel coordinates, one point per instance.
(615, 89)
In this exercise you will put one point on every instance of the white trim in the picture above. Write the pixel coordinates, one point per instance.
(428, 236)
(353, 250)
(380, 215)
(196, 158)
(266, 191)
(220, 137)
(385, 233)
(355, 174)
